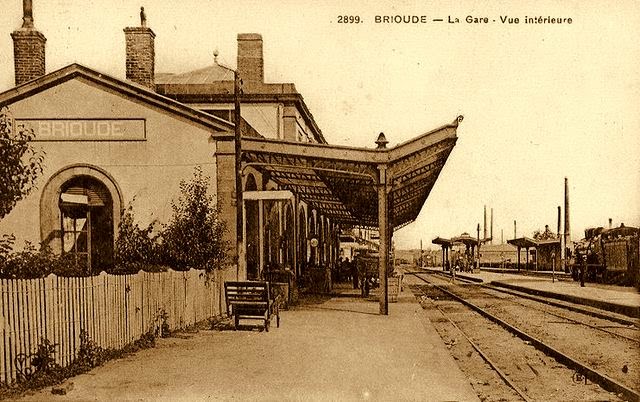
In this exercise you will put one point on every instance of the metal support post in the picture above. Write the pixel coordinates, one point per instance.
(260, 236)
(383, 251)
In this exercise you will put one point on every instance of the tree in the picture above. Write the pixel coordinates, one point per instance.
(193, 238)
(20, 162)
(546, 235)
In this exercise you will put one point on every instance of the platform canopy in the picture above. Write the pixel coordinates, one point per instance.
(523, 242)
(441, 241)
(344, 182)
(466, 239)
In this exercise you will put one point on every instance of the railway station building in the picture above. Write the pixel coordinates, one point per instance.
(111, 142)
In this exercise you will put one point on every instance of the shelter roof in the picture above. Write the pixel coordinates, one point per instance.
(524, 242)
(442, 241)
(343, 182)
(465, 239)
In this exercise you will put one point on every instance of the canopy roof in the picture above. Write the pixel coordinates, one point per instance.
(342, 182)
(523, 242)
(465, 239)
(442, 241)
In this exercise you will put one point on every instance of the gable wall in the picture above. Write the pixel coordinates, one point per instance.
(148, 170)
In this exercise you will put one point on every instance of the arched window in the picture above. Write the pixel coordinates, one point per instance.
(86, 223)
(313, 234)
(289, 234)
(80, 210)
(321, 241)
(302, 242)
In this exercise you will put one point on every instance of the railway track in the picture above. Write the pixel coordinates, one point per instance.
(566, 305)
(610, 323)
(552, 344)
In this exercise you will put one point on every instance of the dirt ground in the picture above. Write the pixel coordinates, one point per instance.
(339, 349)
(537, 375)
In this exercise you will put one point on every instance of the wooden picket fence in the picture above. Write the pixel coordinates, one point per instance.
(114, 310)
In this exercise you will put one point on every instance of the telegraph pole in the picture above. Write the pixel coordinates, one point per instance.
(553, 255)
(478, 246)
(238, 168)
(567, 228)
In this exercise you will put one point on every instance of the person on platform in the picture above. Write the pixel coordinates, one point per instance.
(366, 286)
(354, 272)
(455, 268)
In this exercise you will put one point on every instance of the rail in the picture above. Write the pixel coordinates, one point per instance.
(593, 375)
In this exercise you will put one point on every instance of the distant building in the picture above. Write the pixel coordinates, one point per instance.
(496, 255)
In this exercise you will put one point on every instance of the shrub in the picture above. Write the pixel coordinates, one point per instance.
(136, 248)
(33, 263)
(193, 238)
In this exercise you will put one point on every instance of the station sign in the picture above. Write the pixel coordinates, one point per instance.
(86, 129)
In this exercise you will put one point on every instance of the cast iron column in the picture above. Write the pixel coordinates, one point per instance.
(384, 233)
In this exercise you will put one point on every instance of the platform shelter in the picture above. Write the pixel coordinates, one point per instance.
(446, 245)
(383, 188)
(526, 243)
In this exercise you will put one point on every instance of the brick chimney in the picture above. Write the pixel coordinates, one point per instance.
(250, 61)
(28, 48)
(141, 53)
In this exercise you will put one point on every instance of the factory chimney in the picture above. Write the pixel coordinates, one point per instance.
(28, 48)
(567, 226)
(491, 231)
(140, 49)
(484, 228)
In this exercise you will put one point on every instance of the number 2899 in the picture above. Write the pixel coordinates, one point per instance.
(349, 19)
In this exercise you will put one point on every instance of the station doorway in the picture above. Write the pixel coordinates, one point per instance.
(86, 223)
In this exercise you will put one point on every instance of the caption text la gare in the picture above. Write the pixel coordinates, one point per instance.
(469, 19)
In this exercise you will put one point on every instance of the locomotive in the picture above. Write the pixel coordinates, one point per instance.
(609, 256)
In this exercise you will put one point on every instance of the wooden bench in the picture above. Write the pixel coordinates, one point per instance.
(251, 300)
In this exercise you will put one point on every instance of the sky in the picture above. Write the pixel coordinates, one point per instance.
(540, 102)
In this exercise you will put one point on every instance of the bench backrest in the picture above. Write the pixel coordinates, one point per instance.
(246, 291)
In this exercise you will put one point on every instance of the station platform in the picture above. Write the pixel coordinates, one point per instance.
(328, 348)
(618, 299)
